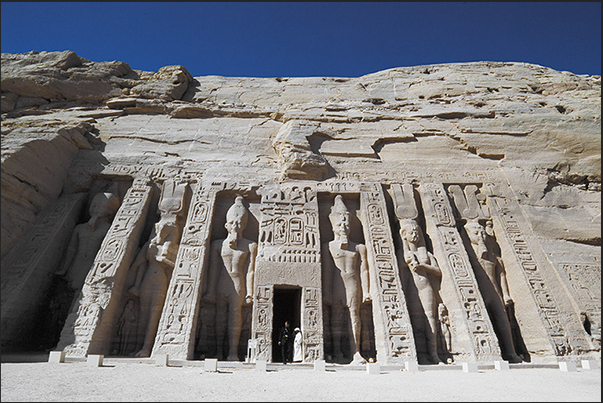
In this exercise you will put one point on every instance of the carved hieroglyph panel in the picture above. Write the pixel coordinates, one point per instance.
(313, 345)
(546, 303)
(457, 269)
(289, 225)
(262, 321)
(394, 338)
(289, 254)
(90, 329)
(175, 334)
(585, 282)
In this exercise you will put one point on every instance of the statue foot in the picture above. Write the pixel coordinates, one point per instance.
(143, 353)
(434, 359)
(358, 359)
(232, 357)
(514, 359)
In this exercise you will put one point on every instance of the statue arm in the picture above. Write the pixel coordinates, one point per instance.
(364, 274)
(433, 268)
(253, 250)
(140, 260)
(327, 274)
(502, 277)
(69, 253)
(212, 272)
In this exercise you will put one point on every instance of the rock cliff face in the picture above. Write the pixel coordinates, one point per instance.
(72, 126)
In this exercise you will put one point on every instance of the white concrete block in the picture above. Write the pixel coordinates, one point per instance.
(56, 357)
(567, 366)
(162, 359)
(95, 360)
(501, 365)
(373, 368)
(470, 367)
(320, 365)
(211, 364)
(411, 366)
(590, 364)
(260, 365)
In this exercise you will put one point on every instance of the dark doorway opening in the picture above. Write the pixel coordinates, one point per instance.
(286, 307)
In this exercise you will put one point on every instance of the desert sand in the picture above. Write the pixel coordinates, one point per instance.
(132, 380)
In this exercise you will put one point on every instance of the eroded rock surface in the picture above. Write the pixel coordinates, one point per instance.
(70, 125)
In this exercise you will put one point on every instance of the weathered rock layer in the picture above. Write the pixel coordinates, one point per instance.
(71, 126)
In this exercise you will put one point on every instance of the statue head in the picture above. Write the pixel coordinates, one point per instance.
(103, 205)
(410, 231)
(236, 220)
(340, 218)
(476, 232)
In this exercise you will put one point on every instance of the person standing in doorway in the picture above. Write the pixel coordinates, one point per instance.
(297, 345)
(284, 340)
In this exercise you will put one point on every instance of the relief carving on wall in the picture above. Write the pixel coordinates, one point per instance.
(393, 332)
(548, 309)
(437, 207)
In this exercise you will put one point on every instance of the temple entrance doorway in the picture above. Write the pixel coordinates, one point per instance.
(287, 306)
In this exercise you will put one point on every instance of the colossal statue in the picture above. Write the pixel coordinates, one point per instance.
(230, 278)
(423, 266)
(345, 281)
(492, 280)
(154, 265)
(86, 240)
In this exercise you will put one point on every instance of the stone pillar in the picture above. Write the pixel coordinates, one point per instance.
(475, 337)
(89, 327)
(28, 268)
(564, 331)
(289, 254)
(176, 332)
(394, 338)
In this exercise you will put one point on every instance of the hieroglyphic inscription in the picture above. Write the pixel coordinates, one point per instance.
(548, 308)
(175, 334)
(262, 321)
(585, 281)
(289, 224)
(395, 340)
(94, 319)
(458, 266)
(153, 172)
(312, 325)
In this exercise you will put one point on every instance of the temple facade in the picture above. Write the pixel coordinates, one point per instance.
(394, 238)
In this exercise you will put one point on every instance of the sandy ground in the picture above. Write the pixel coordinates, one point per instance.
(119, 381)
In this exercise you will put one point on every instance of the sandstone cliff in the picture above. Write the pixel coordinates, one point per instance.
(541, 127)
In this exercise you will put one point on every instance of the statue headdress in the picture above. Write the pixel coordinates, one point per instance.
(237, 210)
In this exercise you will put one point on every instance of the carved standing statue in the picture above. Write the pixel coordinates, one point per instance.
(87, 239)
(154, 265)
(492, 280)
(230, 278)
(424, 269)
(345, 280)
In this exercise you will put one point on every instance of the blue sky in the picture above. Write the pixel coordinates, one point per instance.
(302, 39)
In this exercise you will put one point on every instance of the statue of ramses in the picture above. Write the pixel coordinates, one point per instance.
(230, 278)
(345, 282)
(424, 268)
(86, 240)
(154, 265)
(492, 280)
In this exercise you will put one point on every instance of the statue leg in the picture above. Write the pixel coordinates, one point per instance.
(431, 330)
(221, 327)
(356, 326)
(235, 321)
(504, 328)
(337, 322)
